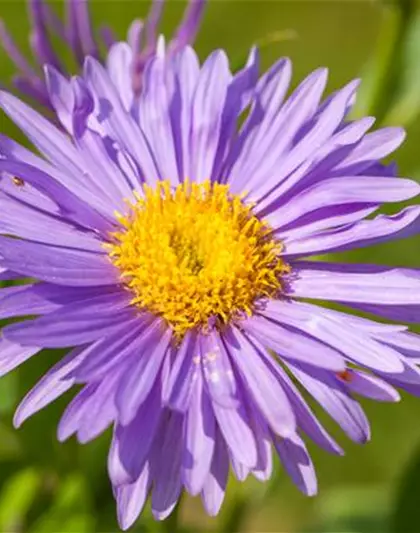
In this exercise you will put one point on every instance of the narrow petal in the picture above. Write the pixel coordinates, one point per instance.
(61, 266)
(341, 191)
(183, 374)
(333, 397)
(74, 324)
(71, 206)
(306, 420)
(22, 221)
(132, 442)
(207, 110)
(154, 117)
(139, 379)
(167, 480)
(131, 499)
(188, 28)
(50, 387)
(315, 134)
(214, 488)
(217, 371)
(235, 426)
(369, 386)
(357, 283)
(290, 344)
(297, 462)
(119, 65)
(42, 298)
(373, 147)
(113, 350)
(363, 233)
(267, 392)
(12, 355)
(276, 133)
(199, 439)
(115, 120)
(332, 329)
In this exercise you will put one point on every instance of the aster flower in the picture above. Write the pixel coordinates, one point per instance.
(77, 33)
(171, 246)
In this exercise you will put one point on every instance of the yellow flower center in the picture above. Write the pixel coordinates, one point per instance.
(196, 253)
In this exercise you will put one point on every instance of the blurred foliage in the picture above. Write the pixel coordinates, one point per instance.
(46, 486)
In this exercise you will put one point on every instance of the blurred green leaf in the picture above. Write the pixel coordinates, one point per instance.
(71, 510)
(374, 73)
(393, 70)
(354, 509)
(17, 497)
(407, 100)
(9, 393)
(405, 514)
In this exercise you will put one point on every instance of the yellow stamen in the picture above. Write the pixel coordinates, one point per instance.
(196, 253)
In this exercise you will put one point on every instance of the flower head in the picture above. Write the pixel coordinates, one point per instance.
(77, 33)
(171, 244)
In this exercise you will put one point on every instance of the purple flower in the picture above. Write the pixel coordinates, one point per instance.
(77, 33)
(172, 241)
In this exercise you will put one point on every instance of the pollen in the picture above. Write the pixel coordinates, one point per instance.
(195, 255)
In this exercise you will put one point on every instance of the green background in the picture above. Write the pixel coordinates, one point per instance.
(47, 486)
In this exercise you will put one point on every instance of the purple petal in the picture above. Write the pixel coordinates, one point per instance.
(294, 345)
(362, 233)
(333, 397)
(207, 111)
(297, 462)
(404, 313)
(115, 120)
(357, 283)
(186, 72)
(62, 266)
(278, 128)
(217, 371)
(119, 65)
(238, 434)
(42, 298)
(167, 472)
(22, 221)
(372, 148)
(84, 27)
(369, 386)
(199, 439)
(113, 350)
(40, 39)
(214, 488)
(132, 442)
(267, 392)
(51, 386)
(61, 96)
(183, 374)
(341, 191)
(131, 499)
(74, 324)
(357, 345)
(306, 420)
(187, 30)
(14, 53)
(315, 135)
(12, 355)
(48, 139)
(139, 379)
(154, 117)
(239, 95)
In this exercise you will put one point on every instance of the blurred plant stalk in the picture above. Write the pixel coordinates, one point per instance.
(391, 77)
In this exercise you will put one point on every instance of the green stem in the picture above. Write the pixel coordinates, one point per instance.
(389, 84)
(237, 516)
(172, 523)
